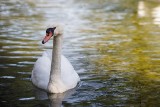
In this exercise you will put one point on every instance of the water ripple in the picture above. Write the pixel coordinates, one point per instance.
(26, 99)
(8, 77)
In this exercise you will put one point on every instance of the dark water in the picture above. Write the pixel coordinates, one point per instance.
(113, 45)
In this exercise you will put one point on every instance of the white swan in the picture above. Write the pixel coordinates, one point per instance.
(52, 71)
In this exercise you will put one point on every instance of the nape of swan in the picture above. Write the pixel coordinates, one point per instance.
(52, 71)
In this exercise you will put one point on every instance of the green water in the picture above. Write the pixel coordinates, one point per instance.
(113, 45)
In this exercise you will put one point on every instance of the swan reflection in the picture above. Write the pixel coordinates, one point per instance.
(55, 99)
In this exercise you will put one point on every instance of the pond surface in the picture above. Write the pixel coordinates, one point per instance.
(113, 45)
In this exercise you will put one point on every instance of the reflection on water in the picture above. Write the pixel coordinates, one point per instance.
(55, 100)
(113, 45)
(146, 9)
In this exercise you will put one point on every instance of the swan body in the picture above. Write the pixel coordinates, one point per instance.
(41, 73)
(52, 71)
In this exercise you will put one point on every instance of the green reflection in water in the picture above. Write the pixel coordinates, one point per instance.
(129, 48)
(18, 50)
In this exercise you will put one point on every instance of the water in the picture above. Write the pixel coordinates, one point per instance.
(113, 45)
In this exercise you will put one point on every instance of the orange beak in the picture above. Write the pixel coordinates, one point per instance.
(47, 37)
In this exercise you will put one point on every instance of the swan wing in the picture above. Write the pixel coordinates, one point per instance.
(41, 72)
(69, 76)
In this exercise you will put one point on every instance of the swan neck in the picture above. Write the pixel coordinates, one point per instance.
(56, 57)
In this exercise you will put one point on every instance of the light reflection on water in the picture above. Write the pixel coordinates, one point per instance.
(113, 45)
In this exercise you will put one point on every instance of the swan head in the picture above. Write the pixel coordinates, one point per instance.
(55, 30)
